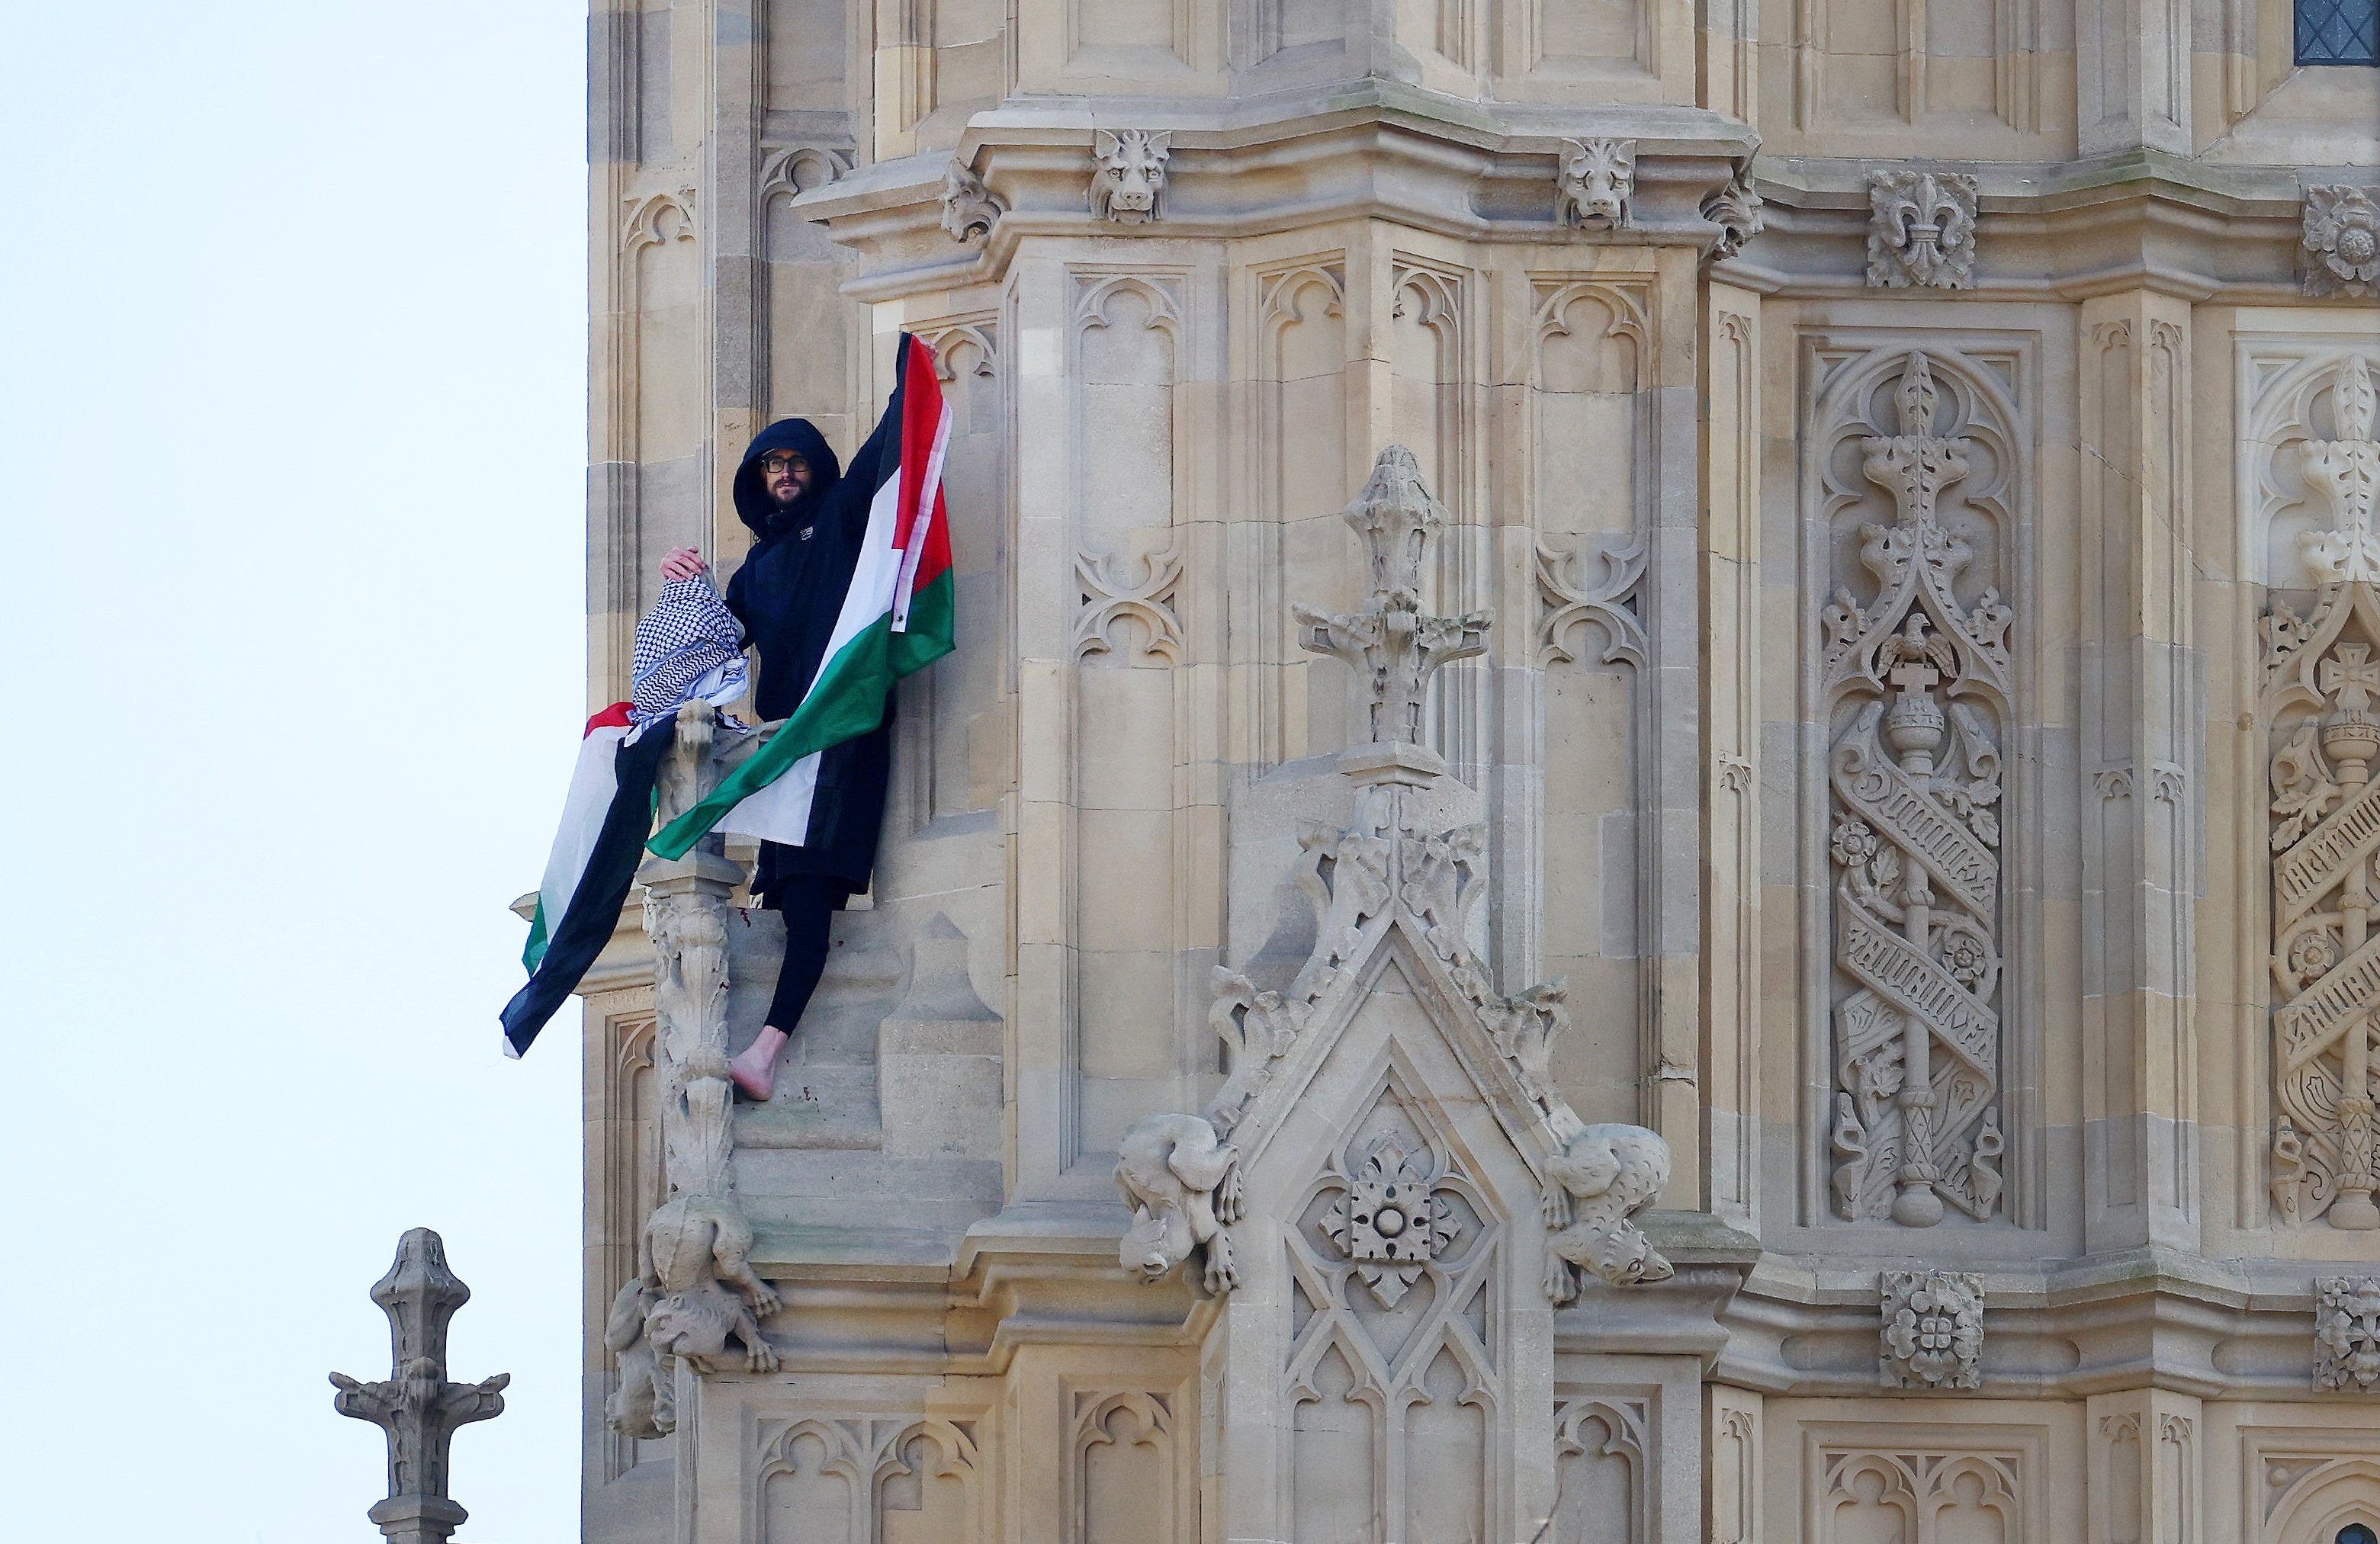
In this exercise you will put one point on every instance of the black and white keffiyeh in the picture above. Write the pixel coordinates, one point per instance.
(688, 646)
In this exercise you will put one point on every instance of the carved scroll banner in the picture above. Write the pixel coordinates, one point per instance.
(2321, 677)
(1916, 681)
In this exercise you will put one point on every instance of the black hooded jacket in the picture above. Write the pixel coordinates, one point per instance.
(786, 595)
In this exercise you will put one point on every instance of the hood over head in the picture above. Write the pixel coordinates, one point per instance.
(801, 437)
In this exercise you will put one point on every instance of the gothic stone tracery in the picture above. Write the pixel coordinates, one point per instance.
(1916, 679)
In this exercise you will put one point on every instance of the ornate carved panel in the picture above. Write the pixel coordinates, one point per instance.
(1391, 1260)
(1913, 468)
(2322, 677)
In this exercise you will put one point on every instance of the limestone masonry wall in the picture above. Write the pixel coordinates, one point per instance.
(1814, 982)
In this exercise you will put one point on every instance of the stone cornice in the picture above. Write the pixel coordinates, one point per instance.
(1252, 169)
(2144, 1318)
(2063, 231)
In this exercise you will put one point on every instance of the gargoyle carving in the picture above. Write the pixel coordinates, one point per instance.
(969, 208)
(1183, 1184)
(1602, 1178)
(1595, 181)
(1128, 174)
(696, 1287)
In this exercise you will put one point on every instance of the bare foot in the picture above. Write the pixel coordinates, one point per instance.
(756, 1071)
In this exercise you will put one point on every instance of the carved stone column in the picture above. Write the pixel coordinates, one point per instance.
(2142, 730)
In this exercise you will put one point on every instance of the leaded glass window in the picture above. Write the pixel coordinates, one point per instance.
(2338, 31)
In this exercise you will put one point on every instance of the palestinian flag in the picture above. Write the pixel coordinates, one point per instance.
(605, 818)
(896, 618)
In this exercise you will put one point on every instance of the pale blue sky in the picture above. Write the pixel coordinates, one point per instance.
(292, 408)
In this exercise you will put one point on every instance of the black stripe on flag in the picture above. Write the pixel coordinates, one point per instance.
(595, 905)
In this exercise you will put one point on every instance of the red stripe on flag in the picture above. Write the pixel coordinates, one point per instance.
(614, 717)
(921, 531)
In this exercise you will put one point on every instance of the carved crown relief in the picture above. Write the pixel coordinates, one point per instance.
(1921, 230)
(1915, 679)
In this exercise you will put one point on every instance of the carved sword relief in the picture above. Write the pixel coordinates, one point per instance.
(1917, 683)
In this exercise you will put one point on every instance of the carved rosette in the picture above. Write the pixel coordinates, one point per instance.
(1916, 681)
(2346, 1334)
(1921, 230)
(2340, 239)
(1392, 1218)
(1932, 1335)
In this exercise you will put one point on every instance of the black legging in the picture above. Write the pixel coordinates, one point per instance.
(808, 903)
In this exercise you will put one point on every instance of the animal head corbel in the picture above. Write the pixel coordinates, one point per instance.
(1128, 174)
(1595, 182)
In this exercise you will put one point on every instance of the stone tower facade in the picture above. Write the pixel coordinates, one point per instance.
(1668, 708)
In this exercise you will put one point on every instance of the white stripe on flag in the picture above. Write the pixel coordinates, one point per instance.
(778, 811)
(904, 590)
(592, 783)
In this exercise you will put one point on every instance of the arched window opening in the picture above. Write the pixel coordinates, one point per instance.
(2356, 1533)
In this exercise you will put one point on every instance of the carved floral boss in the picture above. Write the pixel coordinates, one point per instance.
(1392, 1219)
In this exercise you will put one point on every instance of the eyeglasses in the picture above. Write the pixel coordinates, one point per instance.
(776, 465)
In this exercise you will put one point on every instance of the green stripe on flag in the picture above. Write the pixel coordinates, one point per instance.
(533, 953)
(847, 702)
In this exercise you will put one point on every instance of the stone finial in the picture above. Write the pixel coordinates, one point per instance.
(2341, 240)
(969, 208)
(2346, 1334)
(1128, 174)
(1921, 230)
(1391, 642)
(416, 1406)
(1594, 183)
(1932, 1334)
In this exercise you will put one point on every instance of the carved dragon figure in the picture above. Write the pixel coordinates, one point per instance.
(1183, 1184)
(1603, 1176)
(694, 1288)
